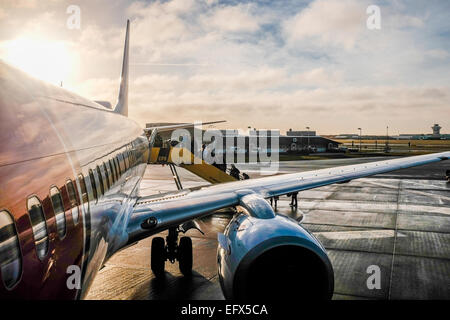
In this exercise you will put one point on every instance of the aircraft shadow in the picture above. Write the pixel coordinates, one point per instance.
(170, 287)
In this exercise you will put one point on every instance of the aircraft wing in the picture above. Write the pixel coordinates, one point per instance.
(178, 126)
(156, 213)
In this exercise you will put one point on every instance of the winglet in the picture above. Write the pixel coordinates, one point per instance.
(122, 101)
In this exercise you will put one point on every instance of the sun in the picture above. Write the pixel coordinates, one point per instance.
(45, 60)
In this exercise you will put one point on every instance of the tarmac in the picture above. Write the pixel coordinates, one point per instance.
(399, 222)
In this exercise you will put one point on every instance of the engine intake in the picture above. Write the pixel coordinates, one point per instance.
(272, 259)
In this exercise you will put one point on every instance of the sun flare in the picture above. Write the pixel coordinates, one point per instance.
(49, 61)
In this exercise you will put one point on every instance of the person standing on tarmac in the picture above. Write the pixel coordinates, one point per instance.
(234, 172)
(294, 202)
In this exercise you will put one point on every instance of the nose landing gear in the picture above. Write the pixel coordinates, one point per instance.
(171, 250)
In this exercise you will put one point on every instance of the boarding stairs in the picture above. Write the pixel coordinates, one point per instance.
(201, 169)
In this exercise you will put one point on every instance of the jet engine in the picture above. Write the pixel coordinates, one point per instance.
(271, 257)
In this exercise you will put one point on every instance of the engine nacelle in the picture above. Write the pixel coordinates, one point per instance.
(272, 258)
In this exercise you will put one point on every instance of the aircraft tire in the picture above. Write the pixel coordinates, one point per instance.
(158, 256)
(185, 256)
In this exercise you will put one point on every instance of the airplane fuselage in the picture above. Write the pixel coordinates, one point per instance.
(69, 173)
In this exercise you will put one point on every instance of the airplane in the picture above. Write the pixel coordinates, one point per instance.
(70, 171)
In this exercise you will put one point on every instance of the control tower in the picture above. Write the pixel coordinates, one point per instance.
(436, 130)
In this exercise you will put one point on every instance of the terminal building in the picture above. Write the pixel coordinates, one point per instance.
(292, 142)
(295, 142)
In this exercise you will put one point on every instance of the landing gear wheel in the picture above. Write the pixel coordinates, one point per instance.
(185, 256)
(158, 256)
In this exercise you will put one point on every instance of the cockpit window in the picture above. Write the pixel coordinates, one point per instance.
(73, 201)
(39, 225)
(10, 257)
(58, 209)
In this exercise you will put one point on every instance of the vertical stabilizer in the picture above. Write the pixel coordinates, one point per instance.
(122, 101)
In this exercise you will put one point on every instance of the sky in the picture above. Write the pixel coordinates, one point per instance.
(265, 64)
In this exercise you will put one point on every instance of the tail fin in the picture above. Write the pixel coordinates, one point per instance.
(122, 101)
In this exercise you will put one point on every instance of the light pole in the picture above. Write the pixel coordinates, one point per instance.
(387, 139)
(307, 128)
(360, 132)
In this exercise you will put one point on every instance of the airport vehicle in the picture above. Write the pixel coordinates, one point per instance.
(70, 171)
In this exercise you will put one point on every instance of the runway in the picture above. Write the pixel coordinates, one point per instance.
(398, 221)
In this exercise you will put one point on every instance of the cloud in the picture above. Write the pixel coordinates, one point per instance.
(267, 64)
(319, 77)
(328, 110)
(333, 22)
(437, 54)
(232, 19)
(157, 22)
(19, 3)
(405, 21)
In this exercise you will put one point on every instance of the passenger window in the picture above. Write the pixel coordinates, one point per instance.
(108, 170)
(130, 158)
(121, 164)
(58, 209)
(98, 182)
(94, 187)
(125, 161)
(73, 201)
(104, 177)
(116, 166)
(113, 172)
(100, 179)
(10, 256)
(84, 194)
(107, 180)
(39, 225)
(113, 160)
